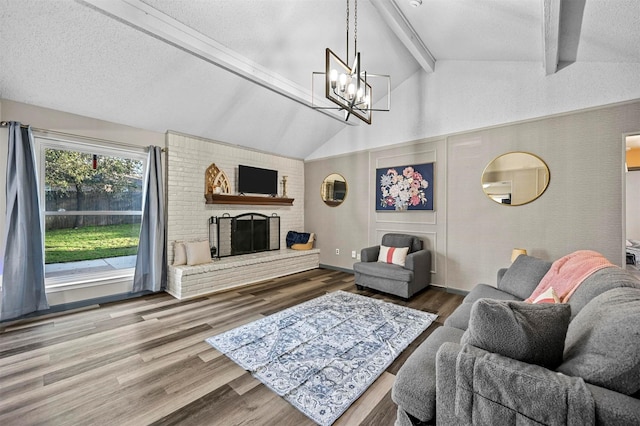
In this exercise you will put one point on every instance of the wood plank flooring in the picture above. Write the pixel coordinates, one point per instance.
(144, 361)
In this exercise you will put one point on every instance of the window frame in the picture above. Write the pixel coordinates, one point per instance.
(94, 146)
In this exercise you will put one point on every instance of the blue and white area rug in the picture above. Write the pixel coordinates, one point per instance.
(323, 354)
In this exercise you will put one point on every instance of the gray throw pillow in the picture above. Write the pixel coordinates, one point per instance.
(530, 333)
(524, 275)
(603, 340)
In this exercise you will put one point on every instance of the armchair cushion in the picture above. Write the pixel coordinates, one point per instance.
(531, 333)
(395, 255)
(384, 270)
(402, 240)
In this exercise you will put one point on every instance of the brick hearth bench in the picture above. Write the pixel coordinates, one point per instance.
(190, 281)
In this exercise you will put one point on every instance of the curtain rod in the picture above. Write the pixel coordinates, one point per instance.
(6, 124)
(67, 135)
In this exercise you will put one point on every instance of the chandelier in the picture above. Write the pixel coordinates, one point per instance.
(348, 86)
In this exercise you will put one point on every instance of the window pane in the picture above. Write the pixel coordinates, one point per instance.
(77, 181)
(92, 211)
(100, 237)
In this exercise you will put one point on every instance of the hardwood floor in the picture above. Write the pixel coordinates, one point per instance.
(144, 361)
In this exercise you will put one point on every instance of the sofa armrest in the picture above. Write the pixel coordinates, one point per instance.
(614, 408)
(611, 408)
(446, 384)
(489, 386)
(370, 254)
(420, 263)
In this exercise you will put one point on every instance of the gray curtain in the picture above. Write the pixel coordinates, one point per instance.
(151, 263)
(23, 275)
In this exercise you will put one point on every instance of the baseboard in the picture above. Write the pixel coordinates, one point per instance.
(455, 291)
(336, 268)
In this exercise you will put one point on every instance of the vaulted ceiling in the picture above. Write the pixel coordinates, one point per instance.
(240, 71)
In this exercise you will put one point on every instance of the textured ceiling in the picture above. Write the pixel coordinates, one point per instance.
(72, 56)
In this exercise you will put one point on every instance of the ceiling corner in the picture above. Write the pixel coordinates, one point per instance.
(396, 21)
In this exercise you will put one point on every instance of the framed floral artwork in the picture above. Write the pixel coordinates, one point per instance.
(405, 188)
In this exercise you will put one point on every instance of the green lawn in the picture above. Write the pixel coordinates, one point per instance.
(91, 242)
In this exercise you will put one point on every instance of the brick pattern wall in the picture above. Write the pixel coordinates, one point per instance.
(190, 281)
(187, 160)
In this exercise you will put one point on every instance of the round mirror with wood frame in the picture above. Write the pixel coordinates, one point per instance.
(515, 178)
(333, 190)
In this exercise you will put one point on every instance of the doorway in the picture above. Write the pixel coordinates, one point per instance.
(632, 197)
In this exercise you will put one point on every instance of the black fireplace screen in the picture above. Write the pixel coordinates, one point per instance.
(246, 233)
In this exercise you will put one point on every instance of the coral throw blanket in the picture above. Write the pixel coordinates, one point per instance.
(568, 272)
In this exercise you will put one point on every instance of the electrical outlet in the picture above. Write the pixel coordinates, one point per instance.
(358, 256)
(337, 251)
(353, 254)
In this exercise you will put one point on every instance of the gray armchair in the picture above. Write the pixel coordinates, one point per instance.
(391, 278)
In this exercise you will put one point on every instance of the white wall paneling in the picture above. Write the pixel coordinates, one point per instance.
(429, 241)
(472, 236)
(423, 224)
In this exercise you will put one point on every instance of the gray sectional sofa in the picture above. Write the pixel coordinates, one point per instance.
(499, 360)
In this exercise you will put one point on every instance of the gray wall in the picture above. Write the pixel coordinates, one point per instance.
(583, 207)
(344, 227)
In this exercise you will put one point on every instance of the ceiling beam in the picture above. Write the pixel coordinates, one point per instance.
(394, 18)
(151, 21)
(551, 34)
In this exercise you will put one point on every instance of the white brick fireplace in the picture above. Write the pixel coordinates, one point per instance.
(187, 160)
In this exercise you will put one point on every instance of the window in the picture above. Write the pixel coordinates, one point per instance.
(91, 197)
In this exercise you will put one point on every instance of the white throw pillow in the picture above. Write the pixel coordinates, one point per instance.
(179, 253)
(548, 296)
(395, 255)
(198, 252)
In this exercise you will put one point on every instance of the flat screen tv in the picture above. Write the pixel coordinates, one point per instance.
(339, 190)
(254, 180)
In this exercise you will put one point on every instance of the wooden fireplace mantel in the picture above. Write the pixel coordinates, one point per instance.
(248, 200)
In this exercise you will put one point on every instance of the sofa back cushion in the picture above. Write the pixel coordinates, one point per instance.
(530, 333)
(603, 340)
(402, 240)
(599, 282)
(523, 276)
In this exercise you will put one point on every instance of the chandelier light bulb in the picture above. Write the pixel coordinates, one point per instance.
(365, 102)
(359, 95)
(333, 78)
(343, 82)
(351, 91)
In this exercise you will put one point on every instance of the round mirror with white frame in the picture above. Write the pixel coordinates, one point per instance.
(515, 178)
(333, 190)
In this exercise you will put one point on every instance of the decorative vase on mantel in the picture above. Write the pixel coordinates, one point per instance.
(284, 187)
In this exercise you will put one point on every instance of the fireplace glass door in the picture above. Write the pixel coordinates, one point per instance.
(243, 234)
